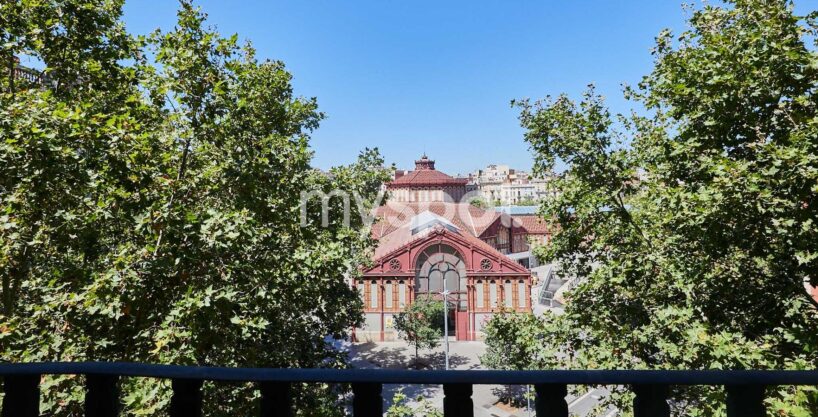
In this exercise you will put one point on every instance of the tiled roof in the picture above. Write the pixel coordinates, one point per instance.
(397, 239)
(532, 224)
(470, 219)
(422, 177)
(403, 237)
(518, 210)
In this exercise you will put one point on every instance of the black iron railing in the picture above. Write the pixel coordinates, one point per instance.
(29, 75)
(25, 77)
(745, 389)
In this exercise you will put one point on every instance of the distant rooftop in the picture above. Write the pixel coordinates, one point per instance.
(517, 210)
(427, 220)
(425, 174)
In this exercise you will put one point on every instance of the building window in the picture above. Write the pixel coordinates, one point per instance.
(387, 296)
(479, 294)
(360, 287)
(373, 294)
(437, 264)
(520, 244)
(493, 294)
(402, 294)
(521, 294)
(507, 294)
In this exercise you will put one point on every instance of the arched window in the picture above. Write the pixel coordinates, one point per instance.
(507, 294)
(373, 294)
(479, 293)
(440, 266)
(387, 296)
(521, 294)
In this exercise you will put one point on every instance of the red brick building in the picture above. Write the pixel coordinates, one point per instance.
(428, 241)
(427, 184)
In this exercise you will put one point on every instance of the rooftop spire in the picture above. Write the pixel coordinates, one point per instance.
(424, 163)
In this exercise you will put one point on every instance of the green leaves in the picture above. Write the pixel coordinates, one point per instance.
(149, 207)
(401, 408)
(692, 225)
(419, 325)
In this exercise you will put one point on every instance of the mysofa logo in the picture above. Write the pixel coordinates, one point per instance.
(329, 202)
(329, 207)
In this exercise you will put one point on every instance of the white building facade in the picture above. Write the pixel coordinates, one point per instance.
(502, 185)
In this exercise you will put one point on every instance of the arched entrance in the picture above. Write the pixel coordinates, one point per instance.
(440, 267)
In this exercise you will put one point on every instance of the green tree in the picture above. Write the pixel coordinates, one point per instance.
(693, 222)
(150, 208)
(420, 325)
(514, 342)
(528, 201)
(478, 202)
(400, 407)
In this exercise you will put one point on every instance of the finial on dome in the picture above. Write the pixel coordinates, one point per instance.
(424, 163)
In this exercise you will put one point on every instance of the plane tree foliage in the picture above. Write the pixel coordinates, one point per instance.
(150, 208)
(693, 221)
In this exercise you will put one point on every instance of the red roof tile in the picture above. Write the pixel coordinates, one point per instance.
(472, 220)
(532, 224)
(404, 238)
(426, 177)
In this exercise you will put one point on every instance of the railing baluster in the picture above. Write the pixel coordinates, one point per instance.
(745, 390)
(187, 398)
(22, 397)
(651, 401)
(745, 401)
(457, 400)
(367, 400)
(276, 399)
(101, 396)
(550, 401)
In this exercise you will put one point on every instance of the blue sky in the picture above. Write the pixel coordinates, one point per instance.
(437, 76)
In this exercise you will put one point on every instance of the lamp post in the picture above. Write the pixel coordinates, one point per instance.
(445, 295)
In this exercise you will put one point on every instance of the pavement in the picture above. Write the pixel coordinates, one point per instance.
(462, 355)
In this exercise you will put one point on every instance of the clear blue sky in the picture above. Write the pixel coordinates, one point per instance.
(437, 76)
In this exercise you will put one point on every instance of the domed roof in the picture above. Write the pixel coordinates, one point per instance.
(425, 174)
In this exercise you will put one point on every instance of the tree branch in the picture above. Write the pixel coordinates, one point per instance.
(179, 176)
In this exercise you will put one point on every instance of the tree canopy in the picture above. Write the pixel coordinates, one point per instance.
(421, 324)
(150, 205)
(693, 220)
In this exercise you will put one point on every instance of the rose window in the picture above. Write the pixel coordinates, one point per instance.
(394, 264)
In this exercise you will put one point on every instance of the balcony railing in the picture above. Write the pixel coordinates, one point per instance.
(24, 77)
(745, 389)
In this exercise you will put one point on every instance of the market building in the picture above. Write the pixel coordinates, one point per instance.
(426, 183)
(430, 242)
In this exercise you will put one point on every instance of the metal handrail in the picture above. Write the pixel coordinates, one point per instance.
(745, 388)
(393, 376)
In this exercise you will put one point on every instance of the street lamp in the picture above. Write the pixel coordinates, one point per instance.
(443, 268)
(445, 295)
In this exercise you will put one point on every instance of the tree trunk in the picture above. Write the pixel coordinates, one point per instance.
(179, 176)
